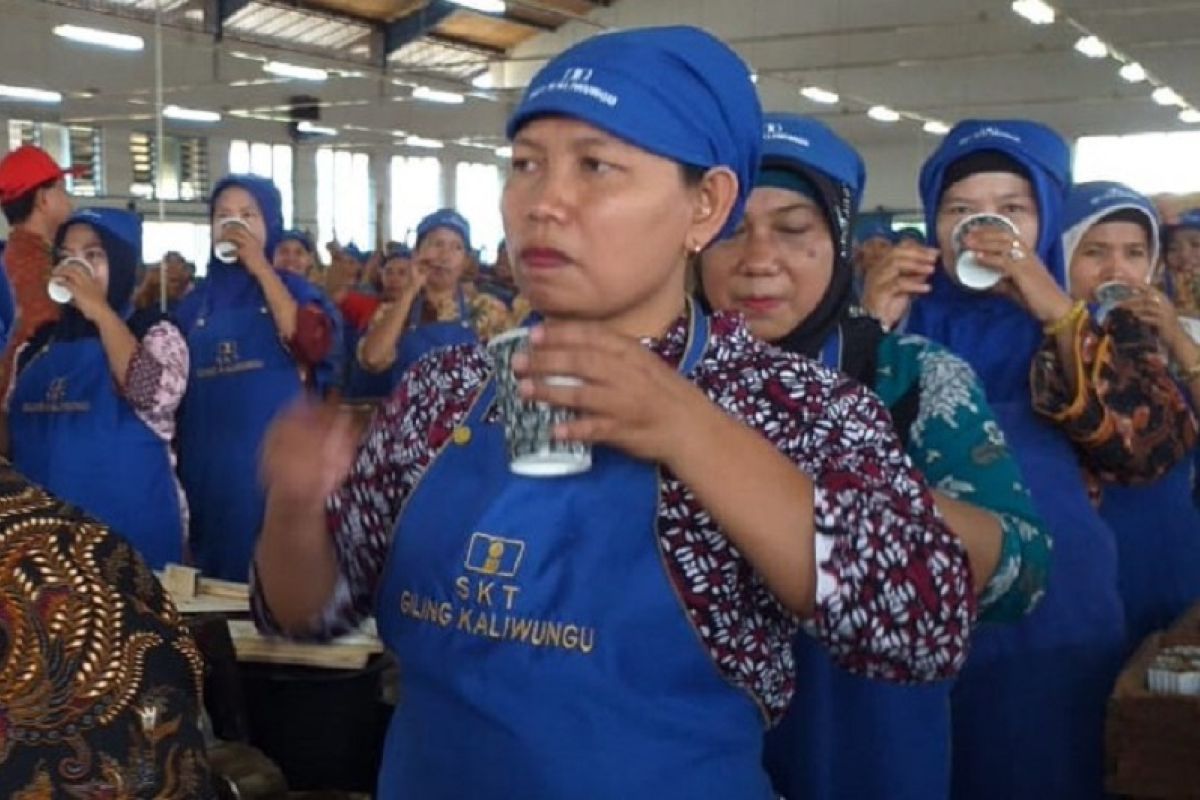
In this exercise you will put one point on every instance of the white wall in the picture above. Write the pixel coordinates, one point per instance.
(892, 171)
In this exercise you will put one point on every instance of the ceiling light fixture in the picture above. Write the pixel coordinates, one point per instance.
(936, 127)
(1132, 72)
(100, 38)
(304, 126)
(1091, 46)
(1189, 115)
(29, 95)
(819, 95)
(190, 114)
(1166, 96)
(300, 73)
(883, 114)
(437, 96)
(1036, 11)
(504, 152)
(421, 141)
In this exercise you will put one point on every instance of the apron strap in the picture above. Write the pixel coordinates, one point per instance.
(831, 351)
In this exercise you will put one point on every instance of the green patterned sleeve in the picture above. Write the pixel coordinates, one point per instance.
(957, 444)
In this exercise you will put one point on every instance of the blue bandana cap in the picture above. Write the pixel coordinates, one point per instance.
(1089, 203)
(677, 92)
(804, 144)
(449, 219)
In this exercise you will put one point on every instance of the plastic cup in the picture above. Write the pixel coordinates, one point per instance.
(532, 450)
(967, 271)
(57, 289)
(226, 251)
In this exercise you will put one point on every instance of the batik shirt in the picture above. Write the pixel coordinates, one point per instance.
(100, 683)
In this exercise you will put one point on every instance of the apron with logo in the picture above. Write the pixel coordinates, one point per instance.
(73, 434)
(544, 650)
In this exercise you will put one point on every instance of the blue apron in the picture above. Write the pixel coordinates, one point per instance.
(361, 384)
(545, 653)
(241, 377)
(73, 434)
(1028, 709)
(420, 340)
(1158, 539)
(847, 737)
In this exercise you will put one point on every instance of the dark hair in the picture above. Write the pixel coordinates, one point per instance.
(692, 175)
(21, 209)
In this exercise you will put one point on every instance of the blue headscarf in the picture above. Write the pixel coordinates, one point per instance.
(1088, 204)
(446, 218)
(230, 285)
(120, 234)
(994, 335)
(677, 92)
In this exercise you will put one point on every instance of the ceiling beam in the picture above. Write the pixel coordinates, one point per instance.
(467, 44)
(221, 10)
(414, 26)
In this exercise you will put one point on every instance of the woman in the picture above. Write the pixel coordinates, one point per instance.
(400, 282)
(434, 310)
(294, 253)
(1028, 709)
(100, 691)
(1182, 240)
(258, 339)
(726, 478)
(91, 415)
(788, 269)
(1128, 408)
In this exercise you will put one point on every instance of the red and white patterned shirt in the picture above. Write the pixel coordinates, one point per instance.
(894, 597)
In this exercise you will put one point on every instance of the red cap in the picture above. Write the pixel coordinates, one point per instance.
(25, 169)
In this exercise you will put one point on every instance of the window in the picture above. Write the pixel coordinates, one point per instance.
(416, 191)
(478, 187)
(78, 146)
(184, 164)
(272, 161)
(344, 211)
(190, 239)
(1150, 163)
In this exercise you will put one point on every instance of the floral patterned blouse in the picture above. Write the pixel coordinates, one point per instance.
(894, 598)
(1130, 422)
(957, 444)
(100, 683)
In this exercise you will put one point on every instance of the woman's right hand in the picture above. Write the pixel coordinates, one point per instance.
(889, 288)
(307, 453)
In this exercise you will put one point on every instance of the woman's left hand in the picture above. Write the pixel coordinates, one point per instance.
(629, 398)
(87, 294)
(1028, 278)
